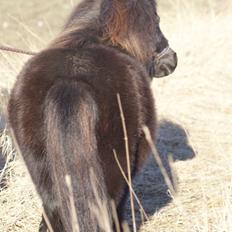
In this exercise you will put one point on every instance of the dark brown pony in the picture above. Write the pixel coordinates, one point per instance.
(64, 113)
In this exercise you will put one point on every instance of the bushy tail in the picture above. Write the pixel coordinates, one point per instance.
(71, 115)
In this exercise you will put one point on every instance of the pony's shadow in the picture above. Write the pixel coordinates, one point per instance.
(149, 185)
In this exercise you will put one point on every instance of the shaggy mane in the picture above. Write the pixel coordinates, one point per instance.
(116, 23)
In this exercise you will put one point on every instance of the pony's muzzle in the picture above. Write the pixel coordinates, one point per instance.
(164, 63)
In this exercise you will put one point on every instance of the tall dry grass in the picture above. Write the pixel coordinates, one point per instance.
(198, 97)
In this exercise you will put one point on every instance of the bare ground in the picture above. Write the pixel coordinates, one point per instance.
(194, 108)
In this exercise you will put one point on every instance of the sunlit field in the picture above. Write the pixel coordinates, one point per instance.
(194, 107)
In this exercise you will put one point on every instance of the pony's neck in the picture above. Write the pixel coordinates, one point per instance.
(82, 28)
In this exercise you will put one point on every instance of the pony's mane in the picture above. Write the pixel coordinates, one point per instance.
(118, 23)
(114, 18)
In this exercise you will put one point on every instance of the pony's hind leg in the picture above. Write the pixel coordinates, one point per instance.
(41, 174)
(54, 221)
(43, 226)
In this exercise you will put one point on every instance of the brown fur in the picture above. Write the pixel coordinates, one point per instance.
(116, 24)
(64, 112)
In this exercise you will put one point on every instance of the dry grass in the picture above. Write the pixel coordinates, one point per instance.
(197, 101)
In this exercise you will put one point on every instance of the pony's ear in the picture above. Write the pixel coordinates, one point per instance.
(114, 19)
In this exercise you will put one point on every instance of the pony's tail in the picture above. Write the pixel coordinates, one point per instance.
(71, 115)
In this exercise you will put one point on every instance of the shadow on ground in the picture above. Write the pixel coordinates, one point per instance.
(150, 186)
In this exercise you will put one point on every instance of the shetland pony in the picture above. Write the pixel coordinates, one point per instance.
(64, 113)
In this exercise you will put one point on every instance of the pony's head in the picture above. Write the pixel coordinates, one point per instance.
(133, 25)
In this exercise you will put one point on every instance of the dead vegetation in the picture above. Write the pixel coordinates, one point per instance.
(194, 109)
